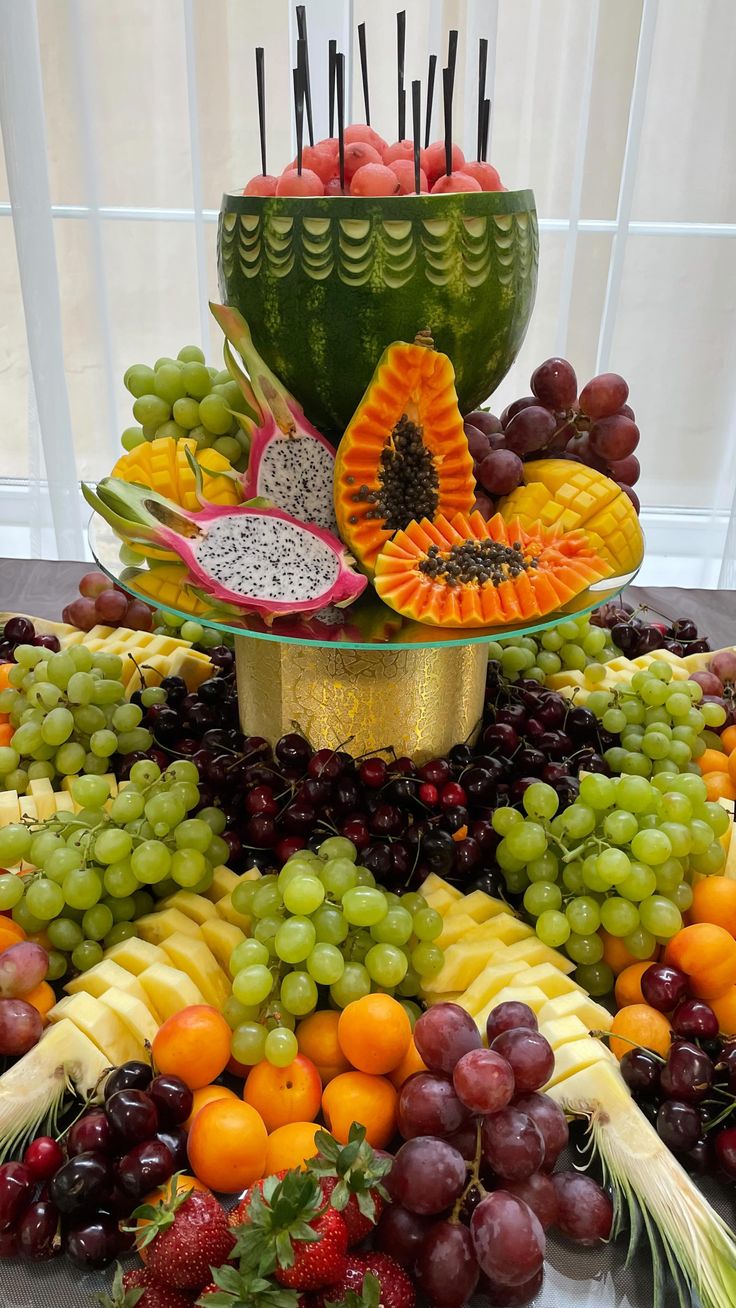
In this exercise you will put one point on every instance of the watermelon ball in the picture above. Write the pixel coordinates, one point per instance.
(321, 159)
(486, 174)
(304, 183)
(455, 182)
(374, 179)
(360, 132)
(399, 150)
(357, 155)
(433, 161)
(404, 170)
(333, 187)
(261, 184)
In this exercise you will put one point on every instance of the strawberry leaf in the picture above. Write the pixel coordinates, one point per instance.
(369, 1297)
(120, 1297)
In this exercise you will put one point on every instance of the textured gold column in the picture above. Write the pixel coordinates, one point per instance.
(420, 701)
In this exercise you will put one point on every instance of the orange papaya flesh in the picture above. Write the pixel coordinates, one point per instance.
(404, 455)
(465, 571)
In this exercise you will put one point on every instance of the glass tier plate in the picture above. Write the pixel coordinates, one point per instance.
(366, 624)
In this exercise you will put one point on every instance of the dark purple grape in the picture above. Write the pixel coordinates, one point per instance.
(581, 724)
(501, 736)
(584, 1209)
(83, 1181)
(467, 856)
(400, 1234)
(700, 1158)
(485, 422)
(526, 402)
(538, 1192)
(551, 1121)
(604, 395)
(678, 1126)
(555, 384)
(530, 429)
(500, 471)
(379, 860)
(508, 1015)
(446, 1267)
(51, 643)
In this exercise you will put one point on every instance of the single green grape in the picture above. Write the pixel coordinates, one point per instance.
(248, 1044)
(325, 964)
(299, 993)
(540, 896)
(364, 906)
(281, 1047)
(354, 984)
(265, 930)
(338, 875)
(597, 978)
(579, 820)
(526, 841)
(267, 897)
(11, 890)
(553, 928)
(546, 868)
(651, 847)
(97, 921)
(584, 948)
(123, 909)
(427, 959)
(503, 819)
(583, 914)
(639, 884)
(87, 955)
(619, 917)
(246, 954)
(295, 939)
(387, 965)
(597, 791)
(151, 861)
(45, 899)
(15, 842)
(540, 800)
(620, 826)
(303, 895)
(330, 925)
(428, 925)
(660, 916)
(253, 984)
(112, 845)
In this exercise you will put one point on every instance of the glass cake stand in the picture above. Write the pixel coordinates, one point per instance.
(363, 674)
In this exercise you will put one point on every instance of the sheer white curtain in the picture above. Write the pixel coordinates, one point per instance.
(123, 121)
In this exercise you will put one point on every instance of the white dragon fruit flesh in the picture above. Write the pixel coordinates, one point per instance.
(291, 464)
(261, 559)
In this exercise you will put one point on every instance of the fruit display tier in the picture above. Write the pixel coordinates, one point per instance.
(362, 674)
(464, 265)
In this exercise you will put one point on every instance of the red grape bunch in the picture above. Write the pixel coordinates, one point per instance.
(596, 427)
(472, 1187)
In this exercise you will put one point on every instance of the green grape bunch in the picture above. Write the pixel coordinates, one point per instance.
(572, 645)
(322, 922)
(70, 716)
(183, 397)
(98, 870)
(620, 859)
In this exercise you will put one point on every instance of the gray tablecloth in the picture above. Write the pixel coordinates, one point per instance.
(578, 1278)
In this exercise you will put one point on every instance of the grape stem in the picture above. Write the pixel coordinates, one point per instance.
(474, 1180)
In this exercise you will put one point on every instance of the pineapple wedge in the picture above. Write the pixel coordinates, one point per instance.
(477, 905)
(563, 1030)
(196, 959)
(196, 907)
(577, 1055)
(229, 913)
(105, 975)
(551, 980)
(222, 938)
(170, 989)
(577, 1004)
(532, 951)
(439, 894)
(456, 928)
(489, 982)
(156, 927)
(463, 963)
(133, 1013)
(135, 955)
(32, 1089)
(103, 1027)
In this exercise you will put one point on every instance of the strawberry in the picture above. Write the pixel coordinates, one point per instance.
(240, 1213)
(351, 1178)
(375, 1281)
(139, 1289)
(183, 1238)
(291, 1235)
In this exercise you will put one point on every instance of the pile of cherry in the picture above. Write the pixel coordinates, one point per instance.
(406, 820)
(71, 1195)
(473, 1188)
(689, 1096)
(635, 635)
(596, 427)
(373, 167)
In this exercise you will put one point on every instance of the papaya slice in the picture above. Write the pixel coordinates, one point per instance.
(465, 571)
(404, 456)
(571, 496)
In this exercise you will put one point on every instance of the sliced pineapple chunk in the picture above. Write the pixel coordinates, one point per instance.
(463, 963)
(156, 927)
(104, 976)
(102, 1026)
(170, 989)
(550, 979)
(455, 928)
(196, 907)
(135, 955)
(135, 1014)
(578, 1004)
(576, 1055)
(478, 905)
(44, 798)
(563, 1030)
(490, 981)
(229, 913)
(437, 891)
(222, 938)
(196, 959)
(532, 951)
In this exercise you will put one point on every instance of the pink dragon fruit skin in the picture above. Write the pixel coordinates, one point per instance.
(291, 464)
(282, 566)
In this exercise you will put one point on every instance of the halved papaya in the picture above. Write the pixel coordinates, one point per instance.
(469, 572)
(404, 456)
(571, 496)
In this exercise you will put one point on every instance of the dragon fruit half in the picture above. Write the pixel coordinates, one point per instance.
(290, 463)
(261, 559)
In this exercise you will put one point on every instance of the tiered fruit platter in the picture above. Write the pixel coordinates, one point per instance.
(367, 912)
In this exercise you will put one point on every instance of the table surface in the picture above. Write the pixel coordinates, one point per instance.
(577, 1278)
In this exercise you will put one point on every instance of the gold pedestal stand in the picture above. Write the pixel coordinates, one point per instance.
(420, 701)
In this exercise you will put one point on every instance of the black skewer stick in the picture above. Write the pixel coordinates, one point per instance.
(416, 117)
(332, 47)
(364, 72)
(482, 66)
(298, 74)
(430, 97)
(486, 130)
(261, 91)
(400, 58)
(447, 88)
(301, 28)
(340, 69)
(452, 54)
